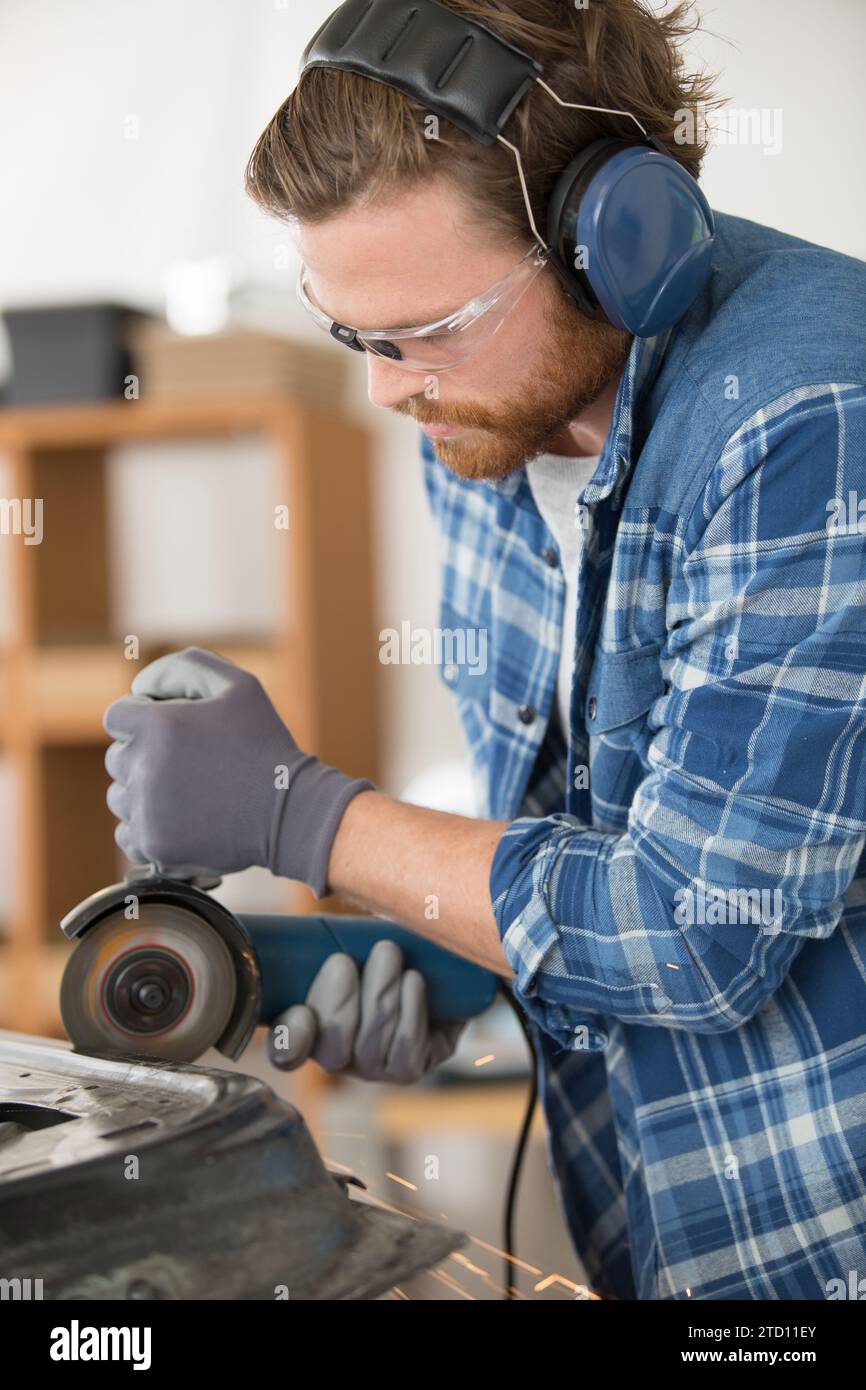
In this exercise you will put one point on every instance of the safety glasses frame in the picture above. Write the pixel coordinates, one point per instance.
(484, 313)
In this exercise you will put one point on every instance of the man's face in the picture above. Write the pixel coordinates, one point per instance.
(421, 257)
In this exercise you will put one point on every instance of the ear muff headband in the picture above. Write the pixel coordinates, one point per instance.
(628, 228)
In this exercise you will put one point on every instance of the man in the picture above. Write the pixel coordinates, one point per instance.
(670, 736)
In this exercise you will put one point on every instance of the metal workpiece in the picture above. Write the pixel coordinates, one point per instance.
(131, 1178)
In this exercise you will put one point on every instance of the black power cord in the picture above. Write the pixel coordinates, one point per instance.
(520, 1149)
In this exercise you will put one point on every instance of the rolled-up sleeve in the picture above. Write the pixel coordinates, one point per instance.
(755, 793)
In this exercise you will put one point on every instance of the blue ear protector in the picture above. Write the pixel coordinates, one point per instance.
(628, 228)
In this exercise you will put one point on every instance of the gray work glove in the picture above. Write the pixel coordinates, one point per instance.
(208, 779)
(373, 1025)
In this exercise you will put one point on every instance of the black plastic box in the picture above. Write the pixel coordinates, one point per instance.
(70, 352)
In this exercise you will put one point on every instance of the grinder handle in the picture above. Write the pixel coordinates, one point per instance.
(291, 951)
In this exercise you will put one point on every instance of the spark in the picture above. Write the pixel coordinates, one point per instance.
(671, 966)
(482, 1273)
(530, 1269)
(452, 1284)
(579, 1290)
(402, 1181)
(398, 1293)
(335, 1163)
(376, 1201)
(482, 1061)
(416, 1213)
(546, 1281)
(473, 1269)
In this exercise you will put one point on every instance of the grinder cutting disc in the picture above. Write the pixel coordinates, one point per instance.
(163, 985)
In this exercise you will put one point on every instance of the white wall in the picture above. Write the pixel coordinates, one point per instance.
(85, 211)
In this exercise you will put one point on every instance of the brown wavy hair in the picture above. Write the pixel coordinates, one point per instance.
(340, 139)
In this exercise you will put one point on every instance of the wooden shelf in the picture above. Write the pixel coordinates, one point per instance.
(64, 662)
(102, 424)
(63, 691)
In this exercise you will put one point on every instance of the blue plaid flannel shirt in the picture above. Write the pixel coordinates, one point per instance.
(681, 890)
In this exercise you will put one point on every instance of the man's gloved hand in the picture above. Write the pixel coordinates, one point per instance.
(208, 779)
(373, 1025)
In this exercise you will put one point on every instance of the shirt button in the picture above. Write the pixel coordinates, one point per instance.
(592, 707)
(526, 714)
(550, 556)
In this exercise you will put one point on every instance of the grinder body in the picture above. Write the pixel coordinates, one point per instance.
(161, 968)
(292, 950)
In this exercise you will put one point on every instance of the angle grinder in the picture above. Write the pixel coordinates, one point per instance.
(163, 969)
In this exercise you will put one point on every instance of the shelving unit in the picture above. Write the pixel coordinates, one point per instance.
(64, 662)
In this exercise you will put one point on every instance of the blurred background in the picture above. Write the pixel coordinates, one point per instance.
(223, 482)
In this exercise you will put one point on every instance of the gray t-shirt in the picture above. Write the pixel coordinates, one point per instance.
(556, 484)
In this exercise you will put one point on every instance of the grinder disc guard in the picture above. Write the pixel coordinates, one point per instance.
(162, 985)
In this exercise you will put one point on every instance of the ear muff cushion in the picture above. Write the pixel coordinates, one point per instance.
(562, 216)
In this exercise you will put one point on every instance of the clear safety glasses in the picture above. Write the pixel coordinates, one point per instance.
(435, 347)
